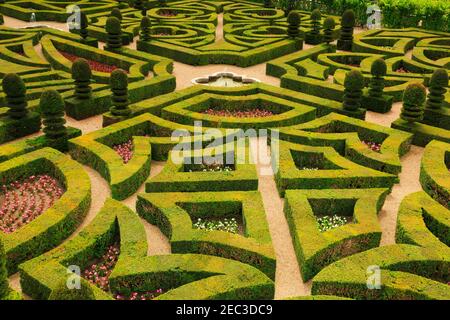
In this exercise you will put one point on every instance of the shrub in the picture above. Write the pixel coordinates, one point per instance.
(81, 73)
(138, 4)
(293, 20)
(145, 29)
(438, 88)
(51, 105)
(4, 285)
(62, 292)
(328, 25)
(15, 90)
(413, 100)
(348, 22)
(267, 3)
(116, 13)
(83, 26)
(114, 31)
(376, 84)
(119, 88)
(314, 36)
(354, 84)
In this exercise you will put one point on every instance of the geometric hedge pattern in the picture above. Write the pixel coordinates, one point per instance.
(323, 167)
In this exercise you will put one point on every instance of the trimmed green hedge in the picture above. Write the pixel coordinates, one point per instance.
(58, 222)
(315, 249)
(175, 212)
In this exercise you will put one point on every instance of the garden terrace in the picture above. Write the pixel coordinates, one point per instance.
(240, 154)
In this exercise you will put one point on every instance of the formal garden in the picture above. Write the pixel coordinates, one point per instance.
(224, 149)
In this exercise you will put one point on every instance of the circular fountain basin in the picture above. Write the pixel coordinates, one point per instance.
(224, 79)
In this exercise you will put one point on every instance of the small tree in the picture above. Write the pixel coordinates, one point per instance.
(376, 84)
(4, 285)
(138, 4)
(287, 5)
(293, 20)
(354, 85)
(114, 31)
(267, 3)
(62, 292)
(119, 88)
(438, 88)
(116, 13)
(83, 26)
(15, 91)
(413, 102)
(328, 26)
(52, 110)
(81, 73)
(144, 7)
(348, 22)
(145, 34)
(314, 37)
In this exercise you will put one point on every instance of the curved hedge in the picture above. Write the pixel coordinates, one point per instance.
(58, 222)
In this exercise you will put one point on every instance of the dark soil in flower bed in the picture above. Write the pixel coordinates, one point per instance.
(95, 65)
(402, 70)
(251, 113)
(99, 271)
(125, 150)
(23, 201)
(373, 146)
(167, 13)
(208, 167)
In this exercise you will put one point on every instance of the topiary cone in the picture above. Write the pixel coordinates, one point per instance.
(15, 91)
(119, 88)
(348, 22)
(376, 84)
(52, 105)
(293, 20)
(83, 26)
(146, 24)
(413, 102)
(328, 26)
(354, 85)
(81, 73)
(438, 88)
(114, 31)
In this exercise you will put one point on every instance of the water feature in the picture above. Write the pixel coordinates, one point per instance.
(224, 79)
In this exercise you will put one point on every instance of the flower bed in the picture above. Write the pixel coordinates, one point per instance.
(99, 272)
(326, 223)
(125, 150)
(209, 167)
(373, 146)
(94, 65)
(23, 201)
(251, 113)
(228, 225)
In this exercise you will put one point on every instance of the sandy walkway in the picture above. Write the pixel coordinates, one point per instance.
(409, 183)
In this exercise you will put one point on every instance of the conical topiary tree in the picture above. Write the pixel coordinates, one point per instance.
(62, 292)
(267, 3)
(119, 88)
(83, 26)
(376, 84)
(314, 37)
(4, 285)
(348, 22)
(81, 73)
(293, 20)
(138, 4)
(15, 91)
(116, 13)
(145, 34)
(354, 85)
(328, 26)
(438, 88)
(144, 7)
(114, 31)
(52, 110)
(413, 102)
